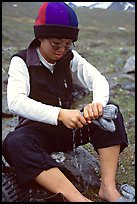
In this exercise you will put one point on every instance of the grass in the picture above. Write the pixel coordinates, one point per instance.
(100, 42)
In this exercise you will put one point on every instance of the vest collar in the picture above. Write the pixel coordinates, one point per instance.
(32, 55)
(33, 58)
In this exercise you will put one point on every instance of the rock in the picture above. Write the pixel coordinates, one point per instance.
(131, 122)
(5, 81)
(129, 192)
(130, 86)
(123, 50)
(80, 164)
(8, 124)
(129, 66)
(83, 166)
(5, 109)
(112, 82)
(6, 115)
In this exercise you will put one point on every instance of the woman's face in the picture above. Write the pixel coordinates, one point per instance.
(53, 49)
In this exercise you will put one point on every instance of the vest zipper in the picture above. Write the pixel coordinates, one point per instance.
(60, 103)
(65, 84)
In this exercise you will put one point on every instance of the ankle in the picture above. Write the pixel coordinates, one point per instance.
(108, 192)
(108, 184)
(75, 196)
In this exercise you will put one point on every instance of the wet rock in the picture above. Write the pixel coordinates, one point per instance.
(84, 167)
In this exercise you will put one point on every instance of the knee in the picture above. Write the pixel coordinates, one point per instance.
(9, 140)
(9, 144)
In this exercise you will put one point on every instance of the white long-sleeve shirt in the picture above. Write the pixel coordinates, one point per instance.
(18, 88)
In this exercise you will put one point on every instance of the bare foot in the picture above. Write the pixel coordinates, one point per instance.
(108, 193)
(77, 198)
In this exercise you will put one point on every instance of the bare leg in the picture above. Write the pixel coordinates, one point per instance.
(55, 181)
(108, 165)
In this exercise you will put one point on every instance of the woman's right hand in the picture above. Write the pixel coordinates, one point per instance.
(71, 118)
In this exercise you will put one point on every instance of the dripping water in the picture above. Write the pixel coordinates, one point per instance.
(74, 148)
(77, 164)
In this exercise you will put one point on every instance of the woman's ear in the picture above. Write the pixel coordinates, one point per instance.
(40, 39)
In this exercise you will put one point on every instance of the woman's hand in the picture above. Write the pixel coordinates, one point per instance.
(71, 118)
(92, 111)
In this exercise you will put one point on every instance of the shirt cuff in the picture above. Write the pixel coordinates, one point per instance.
(54, 116)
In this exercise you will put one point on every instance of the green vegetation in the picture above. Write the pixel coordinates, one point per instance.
(103, 34)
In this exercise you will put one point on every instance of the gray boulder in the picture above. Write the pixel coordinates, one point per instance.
(129, 66)
(83, 167)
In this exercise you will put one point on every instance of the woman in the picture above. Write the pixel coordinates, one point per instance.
(40, 92)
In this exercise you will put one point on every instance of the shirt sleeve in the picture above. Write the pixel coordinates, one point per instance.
(18, 100)
(90, 78)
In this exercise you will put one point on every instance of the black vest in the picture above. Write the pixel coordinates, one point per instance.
(46, 87)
